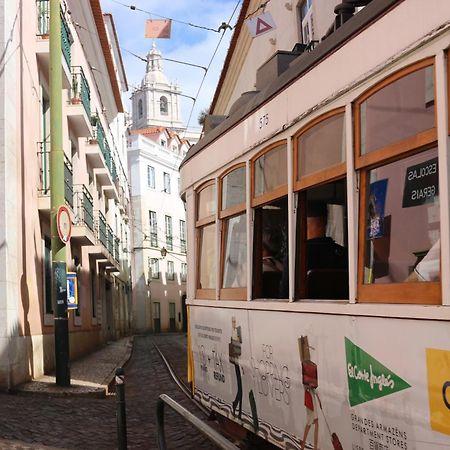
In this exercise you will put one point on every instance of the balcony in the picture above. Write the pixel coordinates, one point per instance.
(44, 178)
(79, 109)
(83, 230)
(43, 44)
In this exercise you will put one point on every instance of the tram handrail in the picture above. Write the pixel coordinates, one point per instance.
(204, 428)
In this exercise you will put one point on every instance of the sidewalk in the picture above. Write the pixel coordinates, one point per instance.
(91, 375)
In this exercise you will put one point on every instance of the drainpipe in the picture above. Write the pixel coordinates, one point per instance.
(59, 270)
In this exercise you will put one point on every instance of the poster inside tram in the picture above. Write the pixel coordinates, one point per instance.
(361, 382)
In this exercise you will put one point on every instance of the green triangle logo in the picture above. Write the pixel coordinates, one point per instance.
(367, 378)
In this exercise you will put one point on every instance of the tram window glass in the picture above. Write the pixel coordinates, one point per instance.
(399, 193)
(207, 263)
(206, 202)
(270, 264)
(233, 188)
(234, 234)
(398, 109)
(399, 231)
(321, 145)
(206, 239)
(235, 252)
(270, 169)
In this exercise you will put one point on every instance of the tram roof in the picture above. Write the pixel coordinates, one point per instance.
(302, 64)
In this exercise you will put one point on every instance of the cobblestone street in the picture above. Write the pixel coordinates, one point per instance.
(38, 422)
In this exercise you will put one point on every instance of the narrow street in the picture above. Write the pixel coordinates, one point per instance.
(37, 422)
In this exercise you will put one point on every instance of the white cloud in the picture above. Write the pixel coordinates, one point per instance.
(187, 44)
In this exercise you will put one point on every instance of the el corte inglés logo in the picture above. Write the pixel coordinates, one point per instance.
(368, 379)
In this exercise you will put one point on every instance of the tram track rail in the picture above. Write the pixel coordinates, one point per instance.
(181, 384)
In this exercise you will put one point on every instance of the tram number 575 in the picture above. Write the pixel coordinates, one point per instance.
(263, 121)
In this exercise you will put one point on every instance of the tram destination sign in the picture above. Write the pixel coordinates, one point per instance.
(421, 183)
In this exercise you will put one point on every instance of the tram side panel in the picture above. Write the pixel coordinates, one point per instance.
(363, 382)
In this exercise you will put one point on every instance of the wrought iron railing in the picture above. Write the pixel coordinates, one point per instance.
(44, 167)
(84, 206)
(102, 230)
(68, 181)
(80, 89)
(117, 249)
(66, 41)
(43, 28)
(110, 240)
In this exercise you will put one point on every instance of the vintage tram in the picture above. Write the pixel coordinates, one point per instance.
(318, 243)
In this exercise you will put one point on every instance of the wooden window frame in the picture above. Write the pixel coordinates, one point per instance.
(332, 172)
(278, 192)
(256, 203)
(422, 293)
(200, 223)
(225, 215)
(400, 147)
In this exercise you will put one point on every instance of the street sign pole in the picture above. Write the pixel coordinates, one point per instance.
(59, 277)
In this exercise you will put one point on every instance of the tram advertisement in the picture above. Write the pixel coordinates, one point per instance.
(331, 382)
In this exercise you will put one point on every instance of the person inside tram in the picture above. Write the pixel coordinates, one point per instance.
(322, 252)
(326, 261)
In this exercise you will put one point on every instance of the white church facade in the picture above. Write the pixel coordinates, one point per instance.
(155, 150)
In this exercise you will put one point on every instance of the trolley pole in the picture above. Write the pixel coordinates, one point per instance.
(59, 276)
(121, 411)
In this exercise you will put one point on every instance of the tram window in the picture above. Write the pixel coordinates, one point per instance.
(270, 265)
(399, 193)
(206, 241)
(319, 164)
(207, 265)
(270, 170)
(206, 202)
(233, 188)
(322, 257)
(235, 252)
(399, 229)
(321, 145)
(234, 234)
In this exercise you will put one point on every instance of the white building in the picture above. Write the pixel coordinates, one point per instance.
(155, 151)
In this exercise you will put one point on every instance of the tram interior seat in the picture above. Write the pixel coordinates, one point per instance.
(327, 284)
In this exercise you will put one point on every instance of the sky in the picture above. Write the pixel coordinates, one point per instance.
(187, 44)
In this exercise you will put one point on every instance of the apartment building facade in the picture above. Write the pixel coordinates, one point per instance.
(95, 184)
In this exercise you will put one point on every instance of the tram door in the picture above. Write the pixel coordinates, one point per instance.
(156, 317)
(172, 324)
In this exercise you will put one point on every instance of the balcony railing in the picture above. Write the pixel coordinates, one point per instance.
(80, 89)
(183, 245)
(44, 173)
(66, 41)
(43, 16)
(68, 181)
(110, 240)
(43, 26)
(102, 230)
(117, 249)
(44, 167)
(84, 206)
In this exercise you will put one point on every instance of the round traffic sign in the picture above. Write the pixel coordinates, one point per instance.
(64, 224)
